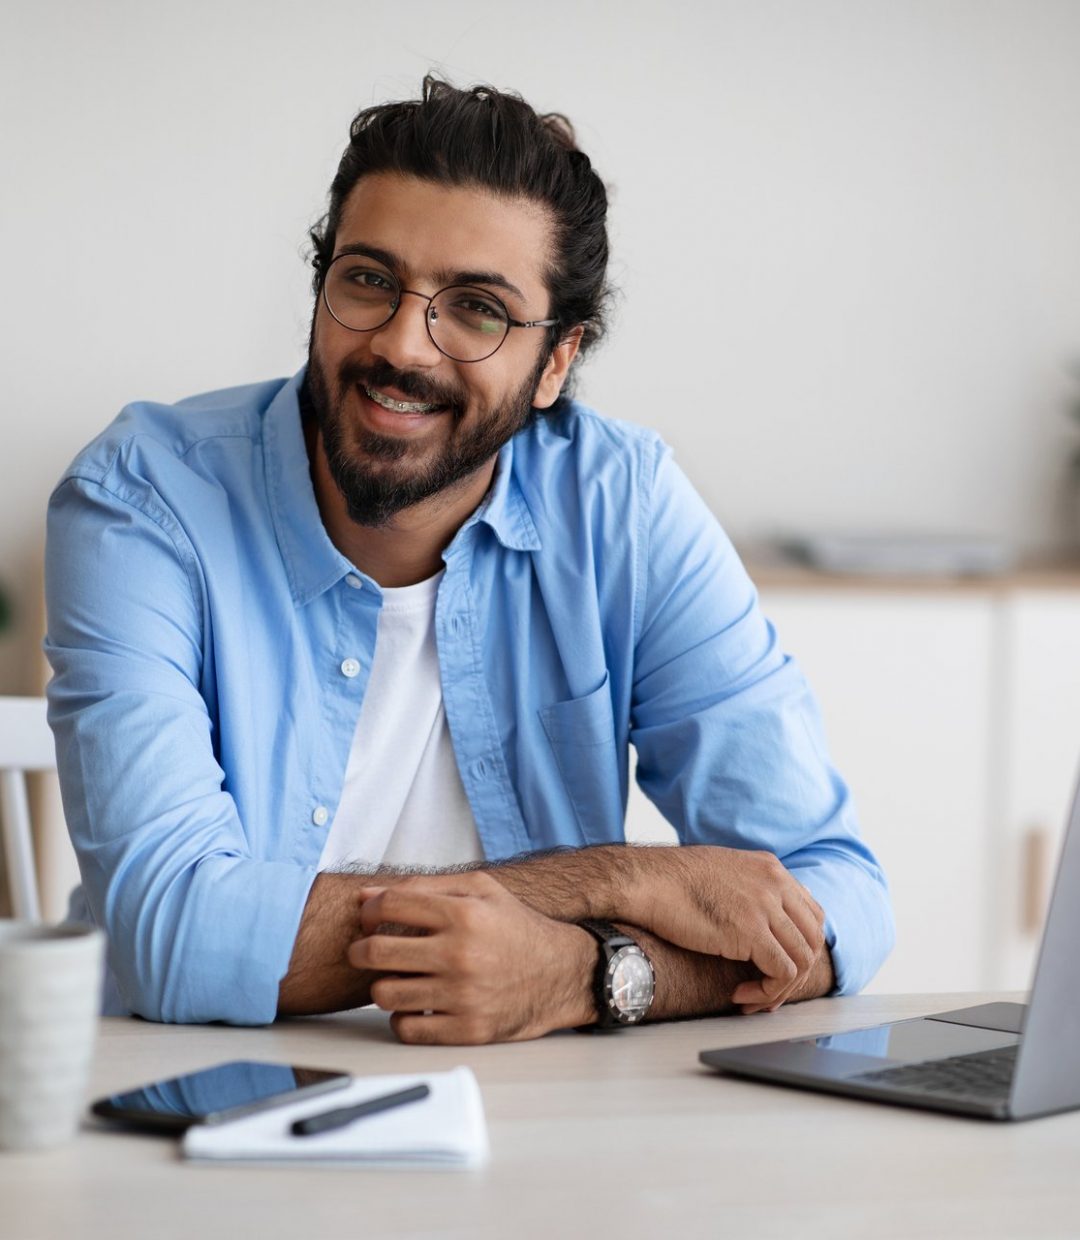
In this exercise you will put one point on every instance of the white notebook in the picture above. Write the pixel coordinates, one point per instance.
(446, 1129)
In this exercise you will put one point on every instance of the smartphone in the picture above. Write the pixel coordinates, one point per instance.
(215, 1095)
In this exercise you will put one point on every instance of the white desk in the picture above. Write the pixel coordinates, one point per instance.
(622, 1136)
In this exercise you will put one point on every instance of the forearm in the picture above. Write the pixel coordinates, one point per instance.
(692, 984)
(570, 884)
(320, 978)
(566, 885)
(610, 882)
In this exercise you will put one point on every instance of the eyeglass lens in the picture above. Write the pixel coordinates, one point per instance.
(465, 323)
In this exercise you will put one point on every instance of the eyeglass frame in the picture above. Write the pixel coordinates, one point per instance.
(402, 290)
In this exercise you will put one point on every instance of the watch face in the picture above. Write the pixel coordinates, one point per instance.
(630, 983)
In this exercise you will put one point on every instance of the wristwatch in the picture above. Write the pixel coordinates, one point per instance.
(625, 980)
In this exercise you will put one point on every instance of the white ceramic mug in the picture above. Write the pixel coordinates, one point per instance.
(50, 996)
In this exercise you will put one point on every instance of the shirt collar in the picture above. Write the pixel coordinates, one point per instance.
(312, 561)
(505, 510)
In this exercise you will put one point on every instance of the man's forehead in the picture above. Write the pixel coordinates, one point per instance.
(435, 230)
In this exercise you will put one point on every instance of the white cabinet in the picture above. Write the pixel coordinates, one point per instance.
(905, 689)
(953, 712)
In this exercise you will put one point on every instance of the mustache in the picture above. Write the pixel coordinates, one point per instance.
(414, 386)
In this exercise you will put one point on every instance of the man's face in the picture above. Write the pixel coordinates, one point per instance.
(431, 236)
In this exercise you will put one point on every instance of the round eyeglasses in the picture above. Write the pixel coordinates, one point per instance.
(465, 324)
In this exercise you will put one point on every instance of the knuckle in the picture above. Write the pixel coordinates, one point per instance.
(365, 953)
(459, 957)
(471, 916)
(389, 905)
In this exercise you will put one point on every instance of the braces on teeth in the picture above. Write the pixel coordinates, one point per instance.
(399, 406)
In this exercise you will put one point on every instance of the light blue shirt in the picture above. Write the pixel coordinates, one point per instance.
(211, 647)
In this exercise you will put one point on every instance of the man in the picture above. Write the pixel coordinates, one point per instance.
(409, 609)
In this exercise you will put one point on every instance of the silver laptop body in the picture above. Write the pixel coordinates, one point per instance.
(1006, 1061)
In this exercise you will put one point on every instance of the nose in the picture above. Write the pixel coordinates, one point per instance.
(404, 341)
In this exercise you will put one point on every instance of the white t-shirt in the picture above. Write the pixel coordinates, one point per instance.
(403, 802)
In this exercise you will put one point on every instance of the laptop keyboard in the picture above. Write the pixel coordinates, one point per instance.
(986, 1074)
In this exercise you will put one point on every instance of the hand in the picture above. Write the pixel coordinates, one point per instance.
(485, 967)
(738, 904)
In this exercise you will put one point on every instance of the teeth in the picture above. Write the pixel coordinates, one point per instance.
(399, 406)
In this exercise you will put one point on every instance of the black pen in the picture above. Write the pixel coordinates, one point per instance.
(327, 1121)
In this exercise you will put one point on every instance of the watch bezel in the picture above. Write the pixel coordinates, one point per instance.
(626, 1016)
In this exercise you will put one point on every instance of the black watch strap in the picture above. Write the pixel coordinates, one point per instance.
(607, 935)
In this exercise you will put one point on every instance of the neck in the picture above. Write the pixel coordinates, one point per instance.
(409, 547)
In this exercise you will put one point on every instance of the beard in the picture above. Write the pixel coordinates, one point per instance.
(376, 477)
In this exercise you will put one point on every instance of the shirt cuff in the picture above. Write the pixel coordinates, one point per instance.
(859, 928)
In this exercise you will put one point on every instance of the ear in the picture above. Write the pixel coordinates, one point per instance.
(557, 368)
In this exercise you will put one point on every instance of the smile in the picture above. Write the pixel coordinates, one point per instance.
(399, 406)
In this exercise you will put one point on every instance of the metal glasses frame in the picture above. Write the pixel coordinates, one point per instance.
(401, 291)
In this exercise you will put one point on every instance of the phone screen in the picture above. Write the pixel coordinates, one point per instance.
(216, 1094)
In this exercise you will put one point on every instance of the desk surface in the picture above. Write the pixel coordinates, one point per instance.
(620, 1136)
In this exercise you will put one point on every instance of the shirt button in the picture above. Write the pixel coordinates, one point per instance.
(354, 581)
(349, 667)
(320, 815)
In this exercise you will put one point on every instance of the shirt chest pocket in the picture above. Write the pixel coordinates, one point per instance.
(581, 732)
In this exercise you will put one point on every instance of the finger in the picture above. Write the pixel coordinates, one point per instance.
(750, 992)
(753, 994)
(394, 953)
(437, 1029)
(405, 907)
(795, 946)
(771, 958)
(469, 883)
(775, 996)
(412, 995)
(805, 914)
(815, 908)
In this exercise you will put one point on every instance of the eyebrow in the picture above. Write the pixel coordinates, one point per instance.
(443, 278)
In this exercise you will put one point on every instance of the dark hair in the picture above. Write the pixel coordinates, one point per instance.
(493, 140)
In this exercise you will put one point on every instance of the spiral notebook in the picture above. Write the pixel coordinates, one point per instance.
(446, 1129)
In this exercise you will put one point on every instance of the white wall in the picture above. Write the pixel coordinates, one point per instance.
(846, 231)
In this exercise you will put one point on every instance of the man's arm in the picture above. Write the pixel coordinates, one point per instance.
(320, 978)
(728, 738)
(740, 904)
(200, 926)
(489, 968)
(536, 896)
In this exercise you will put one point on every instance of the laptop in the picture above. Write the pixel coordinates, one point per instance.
(1004, 1061)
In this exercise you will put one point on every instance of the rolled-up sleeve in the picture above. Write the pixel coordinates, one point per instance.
(728, 735)
(198, 927)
